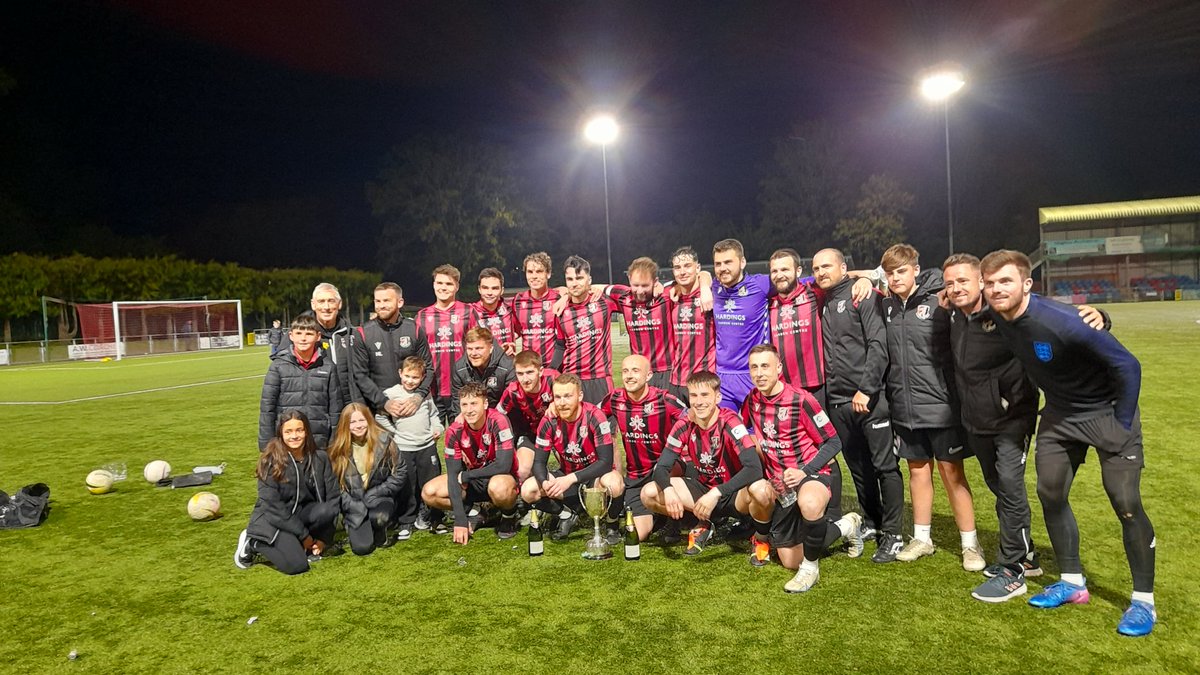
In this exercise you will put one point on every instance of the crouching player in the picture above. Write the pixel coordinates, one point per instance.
(798, 442)
(479, 459)
(292, 521)
(644, 415)
(371, 475)
(581, 438)
(720, 464)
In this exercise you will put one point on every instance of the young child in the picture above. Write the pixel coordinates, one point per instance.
(292, 520)
(300, 378)
(369, 471)
(416, 440)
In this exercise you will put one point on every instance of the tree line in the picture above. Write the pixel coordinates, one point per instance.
(265, 294)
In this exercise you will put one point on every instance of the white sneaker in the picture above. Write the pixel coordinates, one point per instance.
(243, 557)
(854, 540)
(973, 559)
(804, 580)
(404, 533)
(915, 548)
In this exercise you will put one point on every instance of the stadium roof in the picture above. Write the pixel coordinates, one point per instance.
(1138, 209)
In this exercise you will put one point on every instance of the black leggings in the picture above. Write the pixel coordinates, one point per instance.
(1061, 448)
(368, 536)
(287, 554)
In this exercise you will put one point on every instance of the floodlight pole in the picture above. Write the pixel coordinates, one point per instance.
(949, 193)
(607, 227)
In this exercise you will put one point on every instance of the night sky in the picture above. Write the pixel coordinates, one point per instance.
(186, 121)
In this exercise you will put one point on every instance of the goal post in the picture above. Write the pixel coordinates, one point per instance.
(139, 328)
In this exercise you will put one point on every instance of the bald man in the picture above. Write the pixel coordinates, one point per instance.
(645, 415)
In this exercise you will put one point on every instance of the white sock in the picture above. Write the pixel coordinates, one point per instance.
(844, 526)
(969, 539)
(922, 532)
(810, 565)
(1076, 579)
(1147, 598)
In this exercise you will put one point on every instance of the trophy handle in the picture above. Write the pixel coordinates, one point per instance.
(603, 490)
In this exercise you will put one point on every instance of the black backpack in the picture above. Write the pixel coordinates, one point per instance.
(28, 508)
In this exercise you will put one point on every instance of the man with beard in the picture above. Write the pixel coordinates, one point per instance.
(484, 363)
(383, 344)
(646, 318)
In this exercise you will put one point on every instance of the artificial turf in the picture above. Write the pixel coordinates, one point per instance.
(132, 585)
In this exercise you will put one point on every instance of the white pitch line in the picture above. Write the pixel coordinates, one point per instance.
(151, 360)
(133, 393)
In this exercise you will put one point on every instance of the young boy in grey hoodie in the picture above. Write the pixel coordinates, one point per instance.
(416, 438)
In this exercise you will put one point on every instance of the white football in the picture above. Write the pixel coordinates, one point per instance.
(156, 471)
(99, 482)
(204, 506)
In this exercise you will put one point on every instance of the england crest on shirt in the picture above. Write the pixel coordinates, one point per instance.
(1042, 351)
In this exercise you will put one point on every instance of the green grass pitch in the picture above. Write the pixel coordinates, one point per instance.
(133, 585)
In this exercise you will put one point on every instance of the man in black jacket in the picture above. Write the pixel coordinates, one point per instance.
(855, 363)
(483, 362)
(382, 345)
(335, 337)
(924, 403)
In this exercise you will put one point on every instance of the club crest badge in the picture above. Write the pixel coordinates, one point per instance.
(743, 291)
(988, 325)
(1043, 352)
(405, 342)
(546, 305)
(923, 311)
(454, 318)
(593, 307)
(491, 383)
(648, 409)
(503, 311)
(782, 413)
(841, 306)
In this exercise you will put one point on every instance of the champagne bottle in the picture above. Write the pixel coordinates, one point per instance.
(535, 535)
(633, 547)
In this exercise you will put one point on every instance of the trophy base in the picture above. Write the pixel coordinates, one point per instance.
(598, 555)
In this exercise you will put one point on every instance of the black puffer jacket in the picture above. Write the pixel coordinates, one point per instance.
(495, 375)
(307, 495)
(996, 395)
(312, 390)
(920, 380)
(336, 343)
(379, 349)
(387, 478)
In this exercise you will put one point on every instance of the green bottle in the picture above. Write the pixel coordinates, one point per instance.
(633, 547)
(535, 535)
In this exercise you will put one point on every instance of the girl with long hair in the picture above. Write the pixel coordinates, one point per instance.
(297, 500)
(370, 474)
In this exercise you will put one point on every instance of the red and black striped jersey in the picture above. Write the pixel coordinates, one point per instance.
(575, 443)
(585, 331)
(715, 451)
(444, 328)
(536, 322)
(795, 322)
(644, 426)
(502, 322)
(525, 411)
(648, 325)
(477, 448)
(791, 427)
(693, 342)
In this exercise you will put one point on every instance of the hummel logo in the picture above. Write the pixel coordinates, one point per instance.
(881, 425)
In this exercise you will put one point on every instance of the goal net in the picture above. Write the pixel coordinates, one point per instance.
(122, 329)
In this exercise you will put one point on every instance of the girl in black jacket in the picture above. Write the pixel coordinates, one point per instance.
(370, 474)
(297, 501)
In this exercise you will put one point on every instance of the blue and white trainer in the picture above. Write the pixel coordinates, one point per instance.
(1061, 593)
(1138, 620)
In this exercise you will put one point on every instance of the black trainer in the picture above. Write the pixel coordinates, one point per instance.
(507, 527)
(889, 545)
(565, 526)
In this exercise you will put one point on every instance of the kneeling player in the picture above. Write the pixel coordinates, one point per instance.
(798, 443)
(581, 438)
(525, 401)
(479, 458)
(720, 462)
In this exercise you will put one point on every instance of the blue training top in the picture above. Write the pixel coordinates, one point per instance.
(1082, 371)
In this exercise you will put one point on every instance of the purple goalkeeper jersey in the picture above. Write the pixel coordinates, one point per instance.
(740, 315)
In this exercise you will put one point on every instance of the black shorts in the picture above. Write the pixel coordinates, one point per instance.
(1116, 445)
(570, 498)
(943, 444)
(594, 391)
(660, 380)
(633, 495)
(786, 521)
(725, 505)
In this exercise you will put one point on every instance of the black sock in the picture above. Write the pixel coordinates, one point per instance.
(813, 533)
(551, 506)
(763, 530)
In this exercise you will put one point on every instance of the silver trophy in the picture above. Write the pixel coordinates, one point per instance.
(595, 502)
